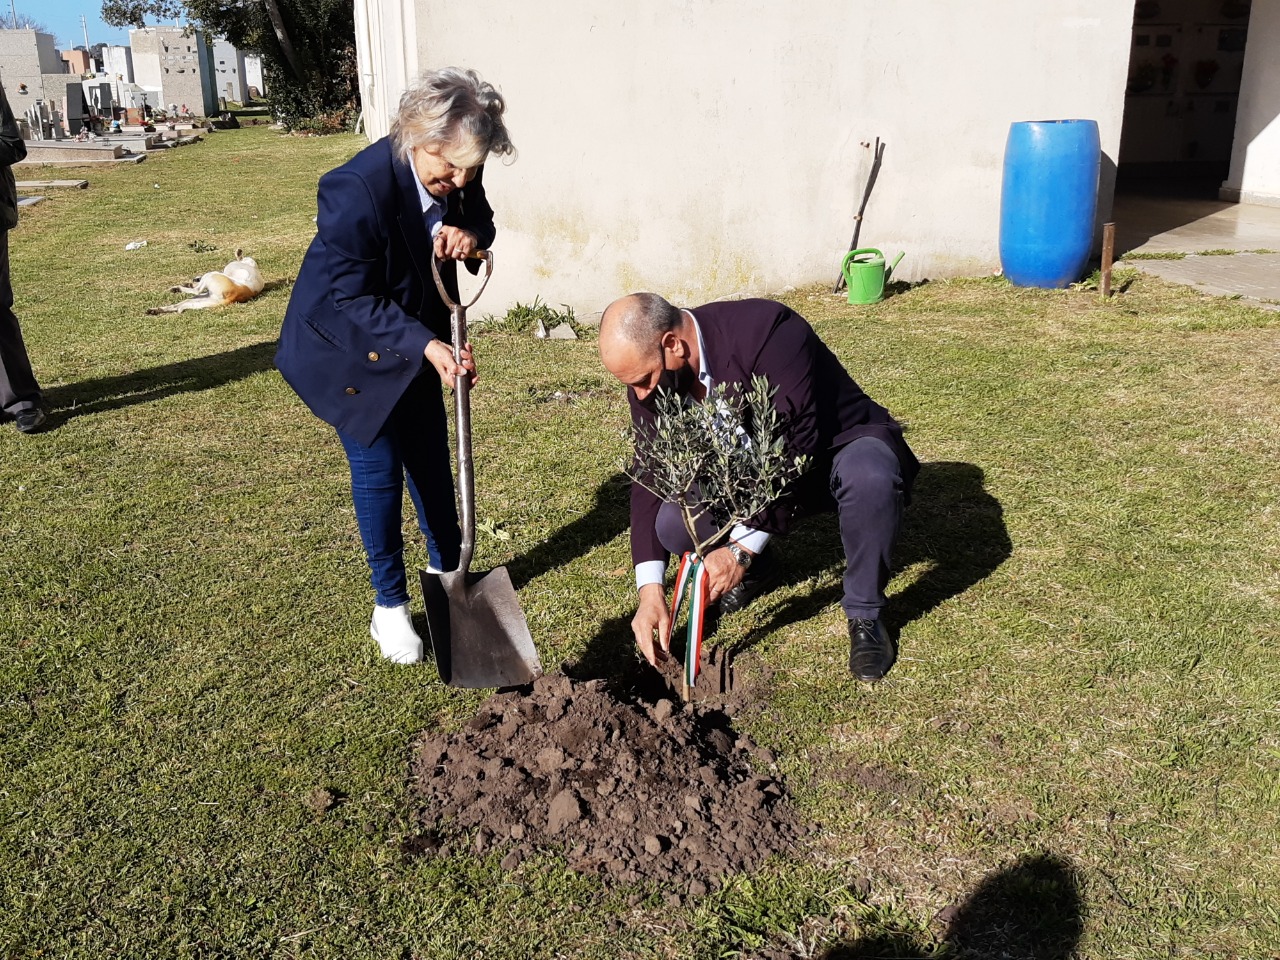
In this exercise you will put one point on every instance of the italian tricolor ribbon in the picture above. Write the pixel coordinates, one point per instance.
(691, 581)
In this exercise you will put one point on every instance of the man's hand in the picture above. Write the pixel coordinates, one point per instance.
(723, 572)
(454, 243)
(441, 356)
(652, 618)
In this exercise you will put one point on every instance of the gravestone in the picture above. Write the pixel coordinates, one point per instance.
(76, 108)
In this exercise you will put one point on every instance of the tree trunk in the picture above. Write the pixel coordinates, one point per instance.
(282, 35)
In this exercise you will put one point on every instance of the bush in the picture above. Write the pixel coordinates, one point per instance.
(334, 121)
(319, 105)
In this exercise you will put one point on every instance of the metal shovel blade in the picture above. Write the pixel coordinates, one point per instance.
(478, 631)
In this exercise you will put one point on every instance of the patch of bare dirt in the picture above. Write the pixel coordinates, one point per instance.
(630, 792)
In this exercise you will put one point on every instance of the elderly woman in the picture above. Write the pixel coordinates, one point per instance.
(365, 337)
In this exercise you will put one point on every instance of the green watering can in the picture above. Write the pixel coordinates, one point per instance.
(865, 274)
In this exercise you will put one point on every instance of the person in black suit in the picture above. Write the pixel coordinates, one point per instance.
(860, 464)
(20, 397)
(364, 341)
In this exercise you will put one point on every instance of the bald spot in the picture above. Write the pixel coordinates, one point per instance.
(623, 333)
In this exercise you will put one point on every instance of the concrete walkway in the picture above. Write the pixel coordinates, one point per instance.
(1172, 225)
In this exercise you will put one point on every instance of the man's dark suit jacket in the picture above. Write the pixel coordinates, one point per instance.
(822, 407)
(365, 306)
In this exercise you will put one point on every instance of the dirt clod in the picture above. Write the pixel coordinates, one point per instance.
(321, 800)
(623, 791)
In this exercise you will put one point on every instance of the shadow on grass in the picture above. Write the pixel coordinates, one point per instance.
(953, 526)
(1031, 910)
(896, 288)
(612, 656)
(155, 383)
(608, 517)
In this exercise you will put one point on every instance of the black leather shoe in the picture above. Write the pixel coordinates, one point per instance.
(30, 420)
(871, 649)
(760, 577)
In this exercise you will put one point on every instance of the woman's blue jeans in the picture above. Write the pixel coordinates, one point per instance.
(412, 446)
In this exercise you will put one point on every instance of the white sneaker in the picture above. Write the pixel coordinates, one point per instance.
(393, 630)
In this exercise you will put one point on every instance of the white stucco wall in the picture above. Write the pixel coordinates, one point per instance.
(706, 149)
(1255, 156)
(387, 54)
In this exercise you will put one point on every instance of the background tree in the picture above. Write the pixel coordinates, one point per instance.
(307, 48)
(22, 21)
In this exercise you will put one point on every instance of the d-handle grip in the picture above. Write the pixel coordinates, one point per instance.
(485, 255)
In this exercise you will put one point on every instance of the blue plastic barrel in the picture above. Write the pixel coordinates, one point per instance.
(1048, 201)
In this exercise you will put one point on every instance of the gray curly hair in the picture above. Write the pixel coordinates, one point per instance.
(454, 111)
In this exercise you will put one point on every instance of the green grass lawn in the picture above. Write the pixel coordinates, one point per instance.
(1083, 722)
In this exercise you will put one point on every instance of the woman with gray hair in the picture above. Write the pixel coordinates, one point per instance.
(365, 337)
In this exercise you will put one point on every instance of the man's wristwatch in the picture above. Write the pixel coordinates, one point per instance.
(744, 557)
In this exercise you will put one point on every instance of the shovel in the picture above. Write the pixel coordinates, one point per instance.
(478, 631)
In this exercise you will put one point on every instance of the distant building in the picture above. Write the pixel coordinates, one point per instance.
(77, 62)
(229, 71)
(26, 58)
(174, 65)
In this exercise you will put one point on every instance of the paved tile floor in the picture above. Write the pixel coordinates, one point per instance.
(1172, 225)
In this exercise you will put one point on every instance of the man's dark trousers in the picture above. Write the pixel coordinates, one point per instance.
(18, 388)
(866, 485)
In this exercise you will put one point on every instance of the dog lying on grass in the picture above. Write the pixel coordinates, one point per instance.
(238, 282)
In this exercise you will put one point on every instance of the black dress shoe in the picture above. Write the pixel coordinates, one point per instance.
(29, 420)
(871, 649)
(760, 577)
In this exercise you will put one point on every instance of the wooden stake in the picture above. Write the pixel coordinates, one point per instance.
(1108, 254)
(684, 689)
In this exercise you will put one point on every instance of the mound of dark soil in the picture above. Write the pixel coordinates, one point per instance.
(630, 792)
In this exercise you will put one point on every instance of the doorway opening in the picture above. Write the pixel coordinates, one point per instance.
(1185, 65)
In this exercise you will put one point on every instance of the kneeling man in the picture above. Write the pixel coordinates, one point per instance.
(860, 465)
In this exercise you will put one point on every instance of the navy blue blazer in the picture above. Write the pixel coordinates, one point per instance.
(364, 306)
(823, 408)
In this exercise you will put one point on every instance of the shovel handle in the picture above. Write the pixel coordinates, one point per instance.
(462, 409)
(466, 469)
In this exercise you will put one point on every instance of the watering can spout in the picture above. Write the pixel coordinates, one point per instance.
(897, 260)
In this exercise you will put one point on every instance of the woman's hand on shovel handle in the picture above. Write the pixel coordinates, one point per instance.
(652, 623)
(441, 356)
(454, 243)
